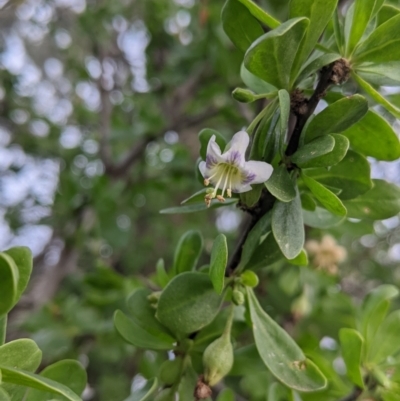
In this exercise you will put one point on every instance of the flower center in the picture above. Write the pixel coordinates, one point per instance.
(225, 174)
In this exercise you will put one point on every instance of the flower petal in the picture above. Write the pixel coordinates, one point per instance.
(256, 172)
(203, 169)
(213, 150)
(239, 143)
(239, 188)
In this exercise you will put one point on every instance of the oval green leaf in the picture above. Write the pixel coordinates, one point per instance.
(9, 277)
(280, 353)
(318, 147)
(287, 226)
(188, 303)
(218, 261)
(281, 185)
(188, 251)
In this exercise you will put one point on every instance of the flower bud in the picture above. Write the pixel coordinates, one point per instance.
(244, 95)
(218, 359)
(237, 297)
(249, 278)
(170, 371)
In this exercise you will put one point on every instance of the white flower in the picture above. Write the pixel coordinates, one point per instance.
(229, 170)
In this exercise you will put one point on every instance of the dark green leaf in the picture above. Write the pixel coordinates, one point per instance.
(144, 393)
(140, 337)
(351, 343)
(143, 314)
(380, 74)
(9, 277)
(380, 202)
(67, 372)
(205, 136)
(383, 45)
(331, 158)
(351, 175)
(218, 261)
(238, 23)
(272, 55)
(328, 199)
(373, 136)
(284, 105)
(226, 395)
(364, 11)
(256, 84)
(188, 251)
(22, 257)
(281, 185)
(28, 379)
(287, 226)
(260, 14)
(337, 117)
(318, 147)
(266, 254)
(280, 353)
(188, 303)
(307, 202)
(300, 260)
(319, 12)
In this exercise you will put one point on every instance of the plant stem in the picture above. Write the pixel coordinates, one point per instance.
(267, 200)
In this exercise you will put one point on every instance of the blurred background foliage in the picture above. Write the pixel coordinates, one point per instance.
(100, 106)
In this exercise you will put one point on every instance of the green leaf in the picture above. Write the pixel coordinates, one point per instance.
(284, 105)
(22, 354)
(281, 185)
(386, 12)
(280, 353)
(307, 202)
(300, 260)
(331, 158)
(197, 207)
(338, 31)
(278, 392)
(226, 395)
(380, 74)
(271, 56)
(382, 45)
(188, 251)
(373, 136)
(315, 65)
(385, 342)
(374, 310)
(250, 198)
(138, 336)
(318, 147)
(351, 175)
(260, 14)
(351, 343)
(319, 12)
(28, 379)
(262, 227)
(266, 254)
(238, 23)
(4, 396)
(143, 314)
(22, 257)
(205, 136)
(197, 197)
(256, 84)
(219, 259)
(287, 226)
(9, 277)
(321, 218)
(327, 198)
(376, 96)
(337, 117)
(188, 303)
(68, 372)
(364, 11)
(144, 393)
(379, 203)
